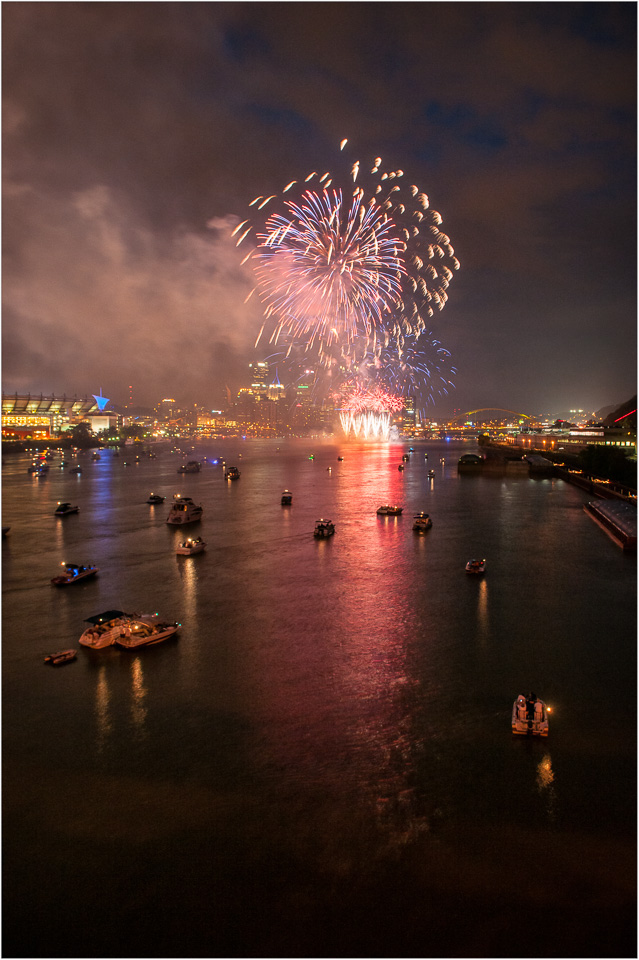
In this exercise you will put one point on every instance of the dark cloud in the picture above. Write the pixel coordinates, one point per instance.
(129, 128)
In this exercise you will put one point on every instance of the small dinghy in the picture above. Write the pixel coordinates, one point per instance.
(62, 656)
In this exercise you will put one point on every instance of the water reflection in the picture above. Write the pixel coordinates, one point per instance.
(482, 607)
(138, 698)
(102, 698)
(188, 575)
(545, 784)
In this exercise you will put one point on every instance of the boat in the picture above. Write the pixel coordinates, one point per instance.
(422, 522)
(232, 473)
(105, 628)
(95, 456)
(431, 473)
(406, 457)
(184, 510)
(340, 458)
(77, 469)
(143, 630)
(155, 498)
(191, 467)
(62, 656)
(476, 566)
(63, 509)
(324, 528)
(189, 547)
(72, 573)
(5, 531)
(388, 511)
(287, 498)
(530, 716)
(401, 466)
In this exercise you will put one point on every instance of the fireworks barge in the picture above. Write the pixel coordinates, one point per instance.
(618, 518)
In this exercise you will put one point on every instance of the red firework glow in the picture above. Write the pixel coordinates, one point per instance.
(377, 400)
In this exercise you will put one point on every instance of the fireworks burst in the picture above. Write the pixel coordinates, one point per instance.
(350, 270)
(350, 265)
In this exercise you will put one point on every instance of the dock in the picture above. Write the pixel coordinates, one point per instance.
(618, 519)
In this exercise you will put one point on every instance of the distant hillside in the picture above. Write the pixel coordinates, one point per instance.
(614, 414)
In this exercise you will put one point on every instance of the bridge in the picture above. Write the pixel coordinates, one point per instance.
(462, 417)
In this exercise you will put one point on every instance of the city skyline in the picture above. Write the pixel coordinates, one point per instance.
(137, 135)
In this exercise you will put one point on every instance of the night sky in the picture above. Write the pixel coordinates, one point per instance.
(136, 135)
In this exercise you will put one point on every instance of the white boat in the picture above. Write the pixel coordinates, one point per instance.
(324, 528)
(142, 631)
(190, 546)
(105, 628)
(387, 511)
(478, 567)
(530, 716)
(422, 522)
(287, 498)
(63, 509)
(72, 573)
(184, 511)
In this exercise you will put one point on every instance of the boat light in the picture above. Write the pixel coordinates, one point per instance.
(548, 709)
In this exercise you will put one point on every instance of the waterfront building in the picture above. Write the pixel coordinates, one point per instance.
(27, 417)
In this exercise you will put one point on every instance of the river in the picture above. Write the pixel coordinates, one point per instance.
(321, 763)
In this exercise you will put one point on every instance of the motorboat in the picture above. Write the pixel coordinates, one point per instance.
(340, 458)
(530, 716)
(401, 466)
(105, 628)
(38, 467)
(287, 498)
(62, 656)
(324, 528)
(232, 473)
(422, 522)
(477, 567)
(431, 473)
(191, 467)
(183, 510)
(95, 456)
(388, 511)
(143, 630)
(77, 469)
(190, 546)
(155, 498)
(72, 573)
(406, 457)
(63, 509)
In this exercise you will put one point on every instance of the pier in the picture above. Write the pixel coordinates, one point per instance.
(618, 519)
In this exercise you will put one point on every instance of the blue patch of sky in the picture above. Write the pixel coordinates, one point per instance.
(461, 120)
(243, 43)
(602, 24)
